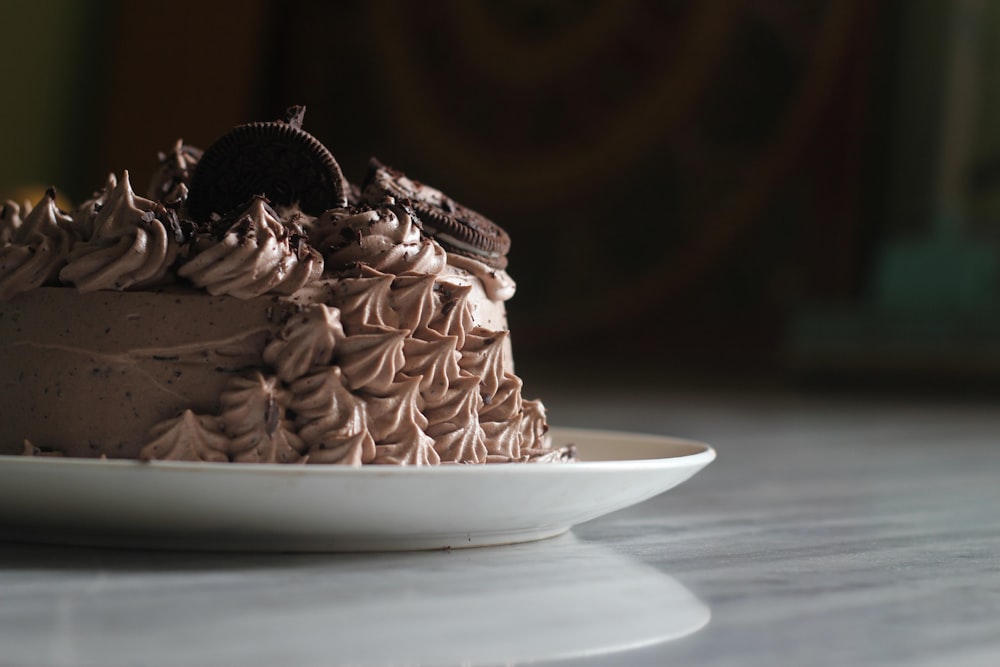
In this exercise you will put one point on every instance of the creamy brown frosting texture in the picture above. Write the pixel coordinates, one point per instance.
(129, 247)
(33, 250)
(171, 181)
(373, 345)
(256, 255)
(363, 390)
(386, 238)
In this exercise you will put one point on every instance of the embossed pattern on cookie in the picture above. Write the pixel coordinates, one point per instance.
(279, 160)
(458, 228)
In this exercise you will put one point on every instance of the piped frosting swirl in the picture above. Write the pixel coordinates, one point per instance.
(254, 412)
(130, 246)
(331, 420)
(308, 339)
(34, 249)
(171, 181)
(255, 255)
(385, 237)
(189, 437)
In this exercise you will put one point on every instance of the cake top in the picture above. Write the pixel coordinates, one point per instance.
(264, 209)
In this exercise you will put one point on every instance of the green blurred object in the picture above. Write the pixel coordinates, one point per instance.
(44, 51)
(934, 302)
(946, 271)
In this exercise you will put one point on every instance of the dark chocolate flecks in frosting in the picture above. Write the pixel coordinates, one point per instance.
(171, 181)
(459, 228)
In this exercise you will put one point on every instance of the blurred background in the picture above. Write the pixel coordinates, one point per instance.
(747, 191)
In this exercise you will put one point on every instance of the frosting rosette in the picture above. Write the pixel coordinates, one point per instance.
(365, 301)
(371, 360)
(257, 254)
(413, 299)
(188, 437)
(35, 248)
(255, 417)
(397, 425)
(86, 213)
(453, 422)
(386, 238)
(171, 181)
(452, 314)
(133, 244)
(10, 220)
(331, 420)
(434, 361)
(308, 339)
(500, 417)
(536, 443)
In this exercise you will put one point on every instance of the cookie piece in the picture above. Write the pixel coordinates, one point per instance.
(279, 160)
(458, 228)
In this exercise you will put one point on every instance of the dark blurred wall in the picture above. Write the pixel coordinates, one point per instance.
(676, 176)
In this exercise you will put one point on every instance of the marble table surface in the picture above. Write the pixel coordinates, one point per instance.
(830, 531)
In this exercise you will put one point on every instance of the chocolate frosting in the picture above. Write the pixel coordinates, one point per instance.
(534, 428)
(254, 411)
(85, 214)
(453, 314)
(188, 437)
(432, 360)
(308, 339)
(371, 360)
(10, 220)
(365, 301)
(130, 247)
(34, 249)
(413, 299)
(331, 420)
(498, 284)
(386, 238)
(255, 255)
(460, 229)
(453, 422)
(500, 418)
(482, 355)
(503, 441)
(505, 403)
(171, 181)
(397, 424)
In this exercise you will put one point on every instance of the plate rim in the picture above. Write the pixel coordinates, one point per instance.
(702, 455)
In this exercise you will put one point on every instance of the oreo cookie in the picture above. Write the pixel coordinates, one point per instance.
(456, 227)
(279, 160)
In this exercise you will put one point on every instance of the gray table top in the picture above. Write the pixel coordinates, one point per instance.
(828, 532)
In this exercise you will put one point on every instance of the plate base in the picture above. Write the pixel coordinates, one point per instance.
(254, 543)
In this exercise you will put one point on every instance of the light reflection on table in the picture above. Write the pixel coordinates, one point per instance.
(553, 599)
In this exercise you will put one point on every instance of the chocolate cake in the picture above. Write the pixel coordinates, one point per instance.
(257, 307)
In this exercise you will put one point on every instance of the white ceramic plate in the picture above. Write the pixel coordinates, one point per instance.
(264, 507)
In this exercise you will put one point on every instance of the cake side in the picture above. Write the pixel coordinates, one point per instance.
(89, 374)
